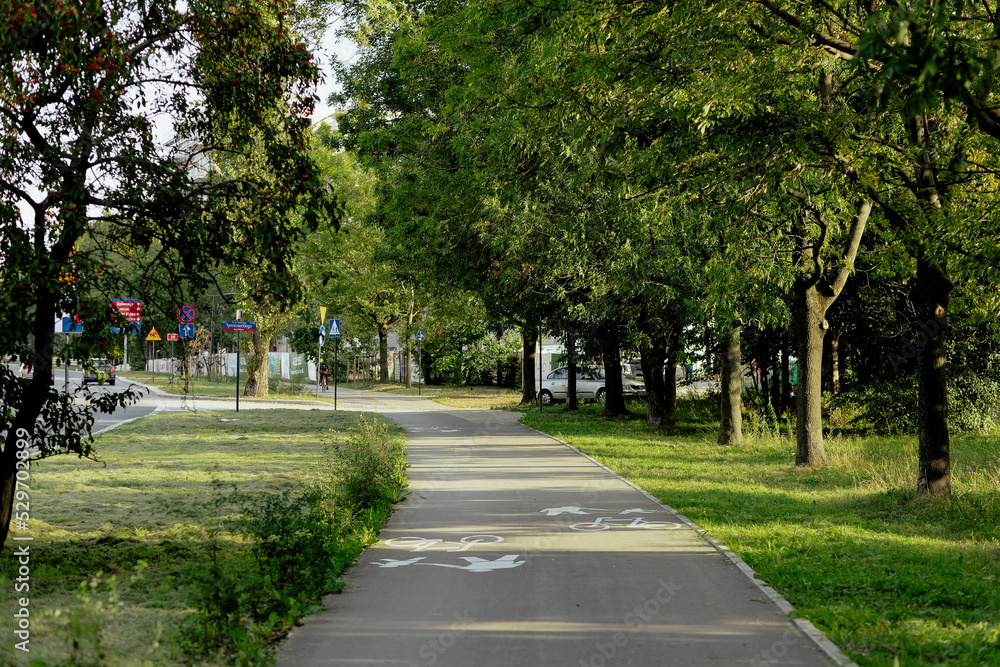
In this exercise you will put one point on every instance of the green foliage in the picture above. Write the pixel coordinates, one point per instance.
(298, 542)
(489, 362)
(95, 204)
(370, 465)
(884, 407)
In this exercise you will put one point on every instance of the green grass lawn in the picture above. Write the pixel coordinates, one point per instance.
(891, 580)
(222, 388)
(149, 516)
(454, 396)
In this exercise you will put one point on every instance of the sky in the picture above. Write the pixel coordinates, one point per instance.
(330, 47)
(343, 50)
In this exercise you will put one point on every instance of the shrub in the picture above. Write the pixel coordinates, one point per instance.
(298, 542)
(370, 464)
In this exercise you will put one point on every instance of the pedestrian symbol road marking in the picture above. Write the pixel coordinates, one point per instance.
(573, 509)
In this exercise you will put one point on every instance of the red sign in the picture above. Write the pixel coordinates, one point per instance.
(172, 336)
(130, 308)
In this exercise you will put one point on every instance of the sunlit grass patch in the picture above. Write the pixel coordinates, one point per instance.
(454, 396)
(134, 528)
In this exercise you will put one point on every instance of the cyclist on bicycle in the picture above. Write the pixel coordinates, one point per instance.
(324, 374)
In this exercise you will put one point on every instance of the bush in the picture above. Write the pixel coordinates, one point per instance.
(299, 541)
(890, 407)
(370, 464)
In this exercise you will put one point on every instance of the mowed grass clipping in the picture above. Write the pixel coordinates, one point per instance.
(890, 579)
(147, 515)
(453, 396)
(222, 387)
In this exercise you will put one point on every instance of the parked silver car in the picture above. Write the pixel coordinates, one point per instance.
(589, 385)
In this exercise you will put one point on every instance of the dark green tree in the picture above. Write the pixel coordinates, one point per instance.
(82, 88)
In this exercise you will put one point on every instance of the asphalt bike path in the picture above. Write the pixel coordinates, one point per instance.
(514, 549)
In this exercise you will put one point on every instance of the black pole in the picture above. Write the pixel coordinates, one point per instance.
(237, 370)
(539, 365)
(420, 345)
(336, 368)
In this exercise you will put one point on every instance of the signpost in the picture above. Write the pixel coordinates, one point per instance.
(173, 339)
(319, 349)
(238, 326)
(420, 342)
(335, 333)
(541, 341)
(152, 338)
(131, 309)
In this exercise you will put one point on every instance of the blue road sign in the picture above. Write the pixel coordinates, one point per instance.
(420, 335)
(132, 328)
(240, 325)
(334, 328)
(185, 330)
(70, 325)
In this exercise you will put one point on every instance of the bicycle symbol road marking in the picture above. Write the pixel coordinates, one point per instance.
(434, 544)
(605, 522)
(623, 520)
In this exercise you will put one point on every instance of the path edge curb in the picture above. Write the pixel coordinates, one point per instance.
(819, 638)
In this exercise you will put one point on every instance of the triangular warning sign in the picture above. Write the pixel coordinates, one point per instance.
(153, 335)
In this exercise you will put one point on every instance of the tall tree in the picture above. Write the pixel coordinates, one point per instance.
(81, 88)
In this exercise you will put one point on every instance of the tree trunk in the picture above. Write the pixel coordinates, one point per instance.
(614, 400)
(934, 461)
(731, 422)
(763, 365)
(675, 350)
(653, 358)
(529, 391)
(409, 361)
(809, 313)
(810, 329)
(786, 375)
(30, 407)
(383, 353)
(257, 370)
(835, 334)
(571, 399)
(670, 394)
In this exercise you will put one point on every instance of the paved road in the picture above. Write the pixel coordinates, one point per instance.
(515, 550)
(154, 401)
